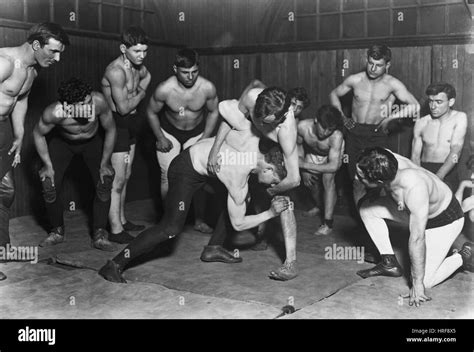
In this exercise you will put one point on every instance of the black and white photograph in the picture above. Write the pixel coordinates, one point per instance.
(236, 160)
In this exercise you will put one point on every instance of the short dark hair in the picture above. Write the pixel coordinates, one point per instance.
(42, 32)
(441, 87)
(299, 93)
(186, 58)
(377, 164)
(73, 91)
(379, 51)
(275, 157)
(271, 101)
(133, 35)
(330, 117)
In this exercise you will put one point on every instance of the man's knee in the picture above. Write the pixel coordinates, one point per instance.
(103, 189)
(49, 191)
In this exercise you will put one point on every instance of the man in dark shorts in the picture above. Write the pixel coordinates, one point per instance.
(185, 97)
(19, 67)
(76, 115)
(418, 198)
(124, 85)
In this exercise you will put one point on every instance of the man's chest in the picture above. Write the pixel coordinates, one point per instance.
(186, 101)
(19, 82)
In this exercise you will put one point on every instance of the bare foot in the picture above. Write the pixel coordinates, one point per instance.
(312, 212)
(203, 227)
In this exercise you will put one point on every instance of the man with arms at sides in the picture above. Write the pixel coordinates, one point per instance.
(124, 86)
(320, 148)
(76, 116)
(185, 96)
(19, 67)
(416, 197)
(187, 173)
(438, 138)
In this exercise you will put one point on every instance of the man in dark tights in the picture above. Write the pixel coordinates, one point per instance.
(76, 115)
(18, 68)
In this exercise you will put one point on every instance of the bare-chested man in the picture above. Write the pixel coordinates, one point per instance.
(416, 197)
(188, 172)
(270, 112)
(76, 115)
(124, 85)
(438, 138)
(299, 101)
(375, 92)
(320, 148)
(186, 96)
(19, 66)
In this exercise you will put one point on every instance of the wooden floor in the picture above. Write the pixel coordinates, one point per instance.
(178, 285)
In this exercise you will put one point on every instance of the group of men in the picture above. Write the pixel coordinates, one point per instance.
(268, 143)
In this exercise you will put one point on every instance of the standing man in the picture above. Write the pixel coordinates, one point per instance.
(438, 138)
(416, 197)
(186, 96)
(76, 115)
(320, 148)
(19, 66)
(375, 92)
(124, 85)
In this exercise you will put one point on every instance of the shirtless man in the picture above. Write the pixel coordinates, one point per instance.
(124, 86)
(438, 138)
(375, 92)
(416, 197)
(76, 115)
(19, 66)
(299, 101)
(188, 172)
(320, 148)
(186, 96)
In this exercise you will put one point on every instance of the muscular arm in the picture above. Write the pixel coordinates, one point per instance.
(108, 123)
(334, 158)
(41, 129)
(124, 102)
(417, 143)
(145, 80)
(237, 209)
(156, 103)
(411, 107)
(468, 203)
(212, 107)
(417, 200)
(457, 143)
(341, 90)
(18, 117)
(287, 140)
(230, 112)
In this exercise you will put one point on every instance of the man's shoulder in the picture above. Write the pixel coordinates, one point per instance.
(459, 115)
(52, 113)
(114, 70)
(206, 84)
(7, 64)
(336, 138)
(98, 99)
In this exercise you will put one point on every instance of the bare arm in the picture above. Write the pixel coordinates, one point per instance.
(212, 117)
(212, 161)
(123, 102)
(341, 90)
(18, 124)
(156, 103)
(457, 143)
(417, 143)
(44, 125)
(411, 107)
(233, 116)
(334, 157)
(108, 123)
(145, 80)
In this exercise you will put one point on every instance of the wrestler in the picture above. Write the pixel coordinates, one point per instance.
(76, 116)
(438, 138)
(19, 67)
(299, 101)
(416, 197)
(124, 86)
(186, 96)
(187, 173)
(320, 148)
(374, 92)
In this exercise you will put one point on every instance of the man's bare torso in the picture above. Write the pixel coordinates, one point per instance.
(312, 143)
(18, 81)
(372, 98)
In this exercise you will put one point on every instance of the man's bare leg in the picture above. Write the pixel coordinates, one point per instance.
(288, 271)
(315, 191)
(330, 198)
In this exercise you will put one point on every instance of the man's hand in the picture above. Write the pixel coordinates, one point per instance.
(348, 123)
(214, 163)
(105, 170)
(163, 145)
(47, 172)
(417, 295)
(309, 179)
(16, 148)
(279, 205)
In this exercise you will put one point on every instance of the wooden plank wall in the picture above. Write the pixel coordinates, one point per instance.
(85, 58)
